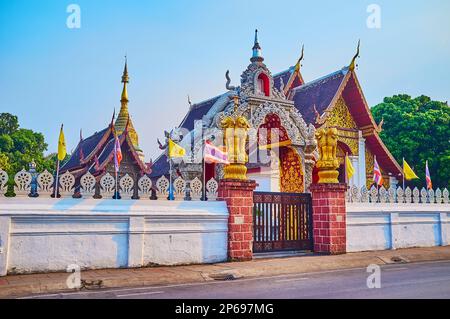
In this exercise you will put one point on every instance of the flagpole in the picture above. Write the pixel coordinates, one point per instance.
(170, 179)
(204, 175)
(376, 182)
(426, 181)
(57, 176)
(403, 173)
(117, 191)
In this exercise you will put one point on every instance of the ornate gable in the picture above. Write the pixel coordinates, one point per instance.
(340, 116)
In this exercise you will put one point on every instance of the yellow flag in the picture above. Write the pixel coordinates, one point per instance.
(349, 168)
(175, 150)
(408, 172)
(61, 145)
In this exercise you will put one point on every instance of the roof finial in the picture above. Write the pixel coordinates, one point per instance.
(125, 80)
(257, 54)
(298, 64)
(189, 101)
(352, 65)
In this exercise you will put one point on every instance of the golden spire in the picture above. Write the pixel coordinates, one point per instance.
(351, 67)
(123, 119)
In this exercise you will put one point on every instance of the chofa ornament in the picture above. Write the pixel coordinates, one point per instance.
(327, 163)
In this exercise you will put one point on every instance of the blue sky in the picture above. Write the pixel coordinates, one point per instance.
(51, 74)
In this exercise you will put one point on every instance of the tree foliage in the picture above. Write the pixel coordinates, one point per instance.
(8, 123)
(20, 146)
(417, 129)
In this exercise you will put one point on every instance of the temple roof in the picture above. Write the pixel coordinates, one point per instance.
(85, 150)
(311, 99)
(197, 111)
(318, 93)
(100, 147)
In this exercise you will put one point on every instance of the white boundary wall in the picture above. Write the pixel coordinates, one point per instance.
(38, 235)
(380, 226)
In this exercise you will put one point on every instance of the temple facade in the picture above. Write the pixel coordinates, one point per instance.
(294, 108)
(95, 154)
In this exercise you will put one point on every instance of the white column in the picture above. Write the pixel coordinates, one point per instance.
(136, 241)
(445, 236)
(5, 225)
(395, 229)
(362, 160)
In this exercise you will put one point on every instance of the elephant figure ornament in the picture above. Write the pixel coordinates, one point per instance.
(327, 163)
(235, 138)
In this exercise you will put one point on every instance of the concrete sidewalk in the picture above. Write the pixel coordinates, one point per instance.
(22, 285)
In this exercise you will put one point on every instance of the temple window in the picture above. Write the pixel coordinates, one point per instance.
(262, 85)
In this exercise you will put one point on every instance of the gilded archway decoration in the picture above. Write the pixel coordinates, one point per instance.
(291, 171)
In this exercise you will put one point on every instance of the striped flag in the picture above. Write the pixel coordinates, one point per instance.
(428, 177)
(377, 178)
(214, 154)
(117, 154)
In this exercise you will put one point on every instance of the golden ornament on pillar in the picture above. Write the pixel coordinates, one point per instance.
(327, 163)
(235, 136)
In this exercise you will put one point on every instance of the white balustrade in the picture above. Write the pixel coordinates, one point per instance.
(45, 182)
(107, 186)
(408, 194)
(397, 195)
(211, 189)
(87, 185)
(196, 189)
(162, 187)
(126, 184)
(416, 195)
(179, 188)
(445, 196)
(3, 182)
(23, 183)
(145, 187)
(66, 184)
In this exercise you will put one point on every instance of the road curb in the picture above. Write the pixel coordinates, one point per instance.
(25, 285)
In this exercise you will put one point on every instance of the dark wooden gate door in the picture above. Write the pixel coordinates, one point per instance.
(282, 221)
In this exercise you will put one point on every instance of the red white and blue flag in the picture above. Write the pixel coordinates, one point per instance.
(377, 178)
(428, 177)
(214, 154)
(117, 154)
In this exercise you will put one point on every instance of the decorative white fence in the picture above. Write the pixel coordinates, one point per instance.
(397, 195)
(107, 186)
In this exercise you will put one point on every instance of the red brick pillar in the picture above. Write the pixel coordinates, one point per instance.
(329, 225)
(238, 195)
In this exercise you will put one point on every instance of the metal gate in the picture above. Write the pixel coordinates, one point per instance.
(282, 221)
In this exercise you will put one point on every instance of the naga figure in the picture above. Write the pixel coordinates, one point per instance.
(327, 163)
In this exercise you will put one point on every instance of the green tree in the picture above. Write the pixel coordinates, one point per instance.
(417, 129)
(20, 146)
(8, 123)
(4, 162)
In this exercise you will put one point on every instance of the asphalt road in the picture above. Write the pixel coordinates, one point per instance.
(418, 280)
